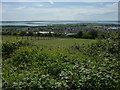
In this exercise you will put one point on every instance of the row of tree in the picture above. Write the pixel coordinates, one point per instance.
(91, 34)
(30, 33)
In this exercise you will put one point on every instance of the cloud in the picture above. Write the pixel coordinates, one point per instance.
(112, 5)
(20, 8)
(71, 12)
(60, 1)
(39, 5)
(51, 2)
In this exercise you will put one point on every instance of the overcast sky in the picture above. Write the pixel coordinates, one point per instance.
(93, 11)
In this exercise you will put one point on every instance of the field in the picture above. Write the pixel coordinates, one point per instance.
(53, 42)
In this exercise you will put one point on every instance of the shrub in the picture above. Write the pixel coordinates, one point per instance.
(9, 47)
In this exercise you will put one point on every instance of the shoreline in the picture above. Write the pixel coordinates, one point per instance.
(49, 23)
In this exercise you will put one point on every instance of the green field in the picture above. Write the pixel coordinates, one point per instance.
(52, 43)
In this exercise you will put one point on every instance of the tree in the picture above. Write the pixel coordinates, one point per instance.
(22, 33)
(80, 34)
(93, 34)
(30, 33)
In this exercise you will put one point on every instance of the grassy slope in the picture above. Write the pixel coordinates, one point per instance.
(97, 66)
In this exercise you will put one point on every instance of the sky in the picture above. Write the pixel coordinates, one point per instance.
(40, 11)
(60, 0)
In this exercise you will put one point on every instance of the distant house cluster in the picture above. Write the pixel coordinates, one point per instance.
(66, 30)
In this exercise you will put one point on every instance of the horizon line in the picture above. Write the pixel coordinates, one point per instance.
(60, 20)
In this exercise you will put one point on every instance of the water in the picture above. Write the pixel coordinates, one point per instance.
(45, 23)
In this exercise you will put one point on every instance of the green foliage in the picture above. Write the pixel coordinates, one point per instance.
(96, 66)
(93, 34)
(30, 33)
(22, 33)
(79, 34)
(9, 47)
(90, 34)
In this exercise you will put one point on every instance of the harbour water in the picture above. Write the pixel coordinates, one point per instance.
(45, 23)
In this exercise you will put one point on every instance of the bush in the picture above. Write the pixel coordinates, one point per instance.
(9, 47)
(79, 34)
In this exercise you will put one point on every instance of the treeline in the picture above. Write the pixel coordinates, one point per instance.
(89, 34)
(93, 34)
(31, 33)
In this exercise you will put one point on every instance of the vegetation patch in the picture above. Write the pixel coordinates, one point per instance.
(95, 66)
